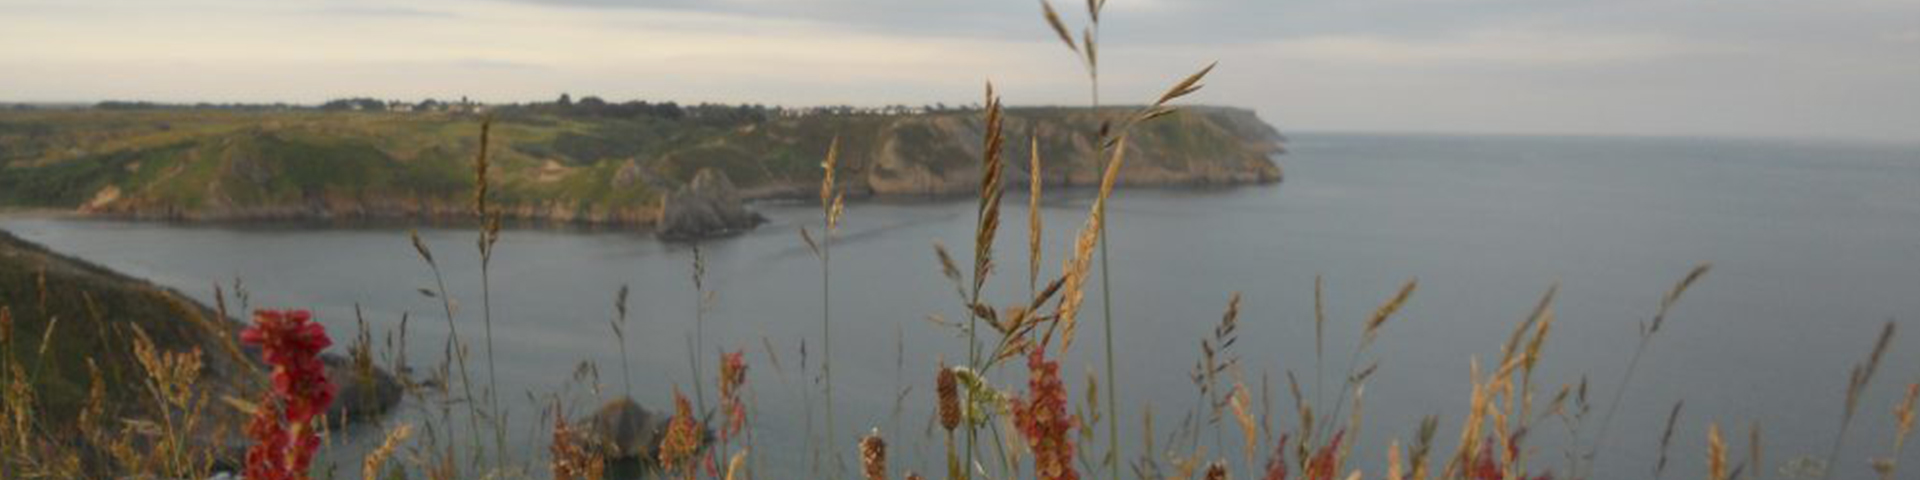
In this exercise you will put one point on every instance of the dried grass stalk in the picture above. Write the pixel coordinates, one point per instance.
(1584, 467)
(832, 201)
(1716, 454)
(1075, 268)
(992, 172)
(737, 465)
(1186, 86)
(1034, 180)
(1386, 311)
(1666, 439)
(1059, 27)
(376, 462)
(1857, 381)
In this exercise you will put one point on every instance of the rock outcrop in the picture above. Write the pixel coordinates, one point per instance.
(708, 206)
(622, 430)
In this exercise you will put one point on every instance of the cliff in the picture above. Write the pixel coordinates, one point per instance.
(556, 164)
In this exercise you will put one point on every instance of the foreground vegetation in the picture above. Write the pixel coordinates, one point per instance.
(1030, 427)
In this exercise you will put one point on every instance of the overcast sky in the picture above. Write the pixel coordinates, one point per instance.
(1805, 68)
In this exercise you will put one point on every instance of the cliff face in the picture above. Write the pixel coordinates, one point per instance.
(552, 165)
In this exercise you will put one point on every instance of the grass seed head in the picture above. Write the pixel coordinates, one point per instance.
(873, 456)
(1716, 454)
(947, 391)
(1059, 27)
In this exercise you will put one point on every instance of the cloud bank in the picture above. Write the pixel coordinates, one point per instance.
(1834, 68)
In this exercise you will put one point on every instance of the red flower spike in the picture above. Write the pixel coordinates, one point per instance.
(1043, 419)
(1277, 464)
(282, 428)
(1321, 466)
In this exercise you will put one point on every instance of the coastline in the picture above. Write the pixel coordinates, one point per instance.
(543, 218)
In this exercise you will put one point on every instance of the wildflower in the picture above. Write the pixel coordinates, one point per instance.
(873, 456)
(1277, 464)
(291, 342)
(733, 374)
(1488, 466)
(1325, 462)
(570, 461)
(1485, 467)
(282, 430)
(268, 458)
(1043, 419)
(683, 436)
(280, 451)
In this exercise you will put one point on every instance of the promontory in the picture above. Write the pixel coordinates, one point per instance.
(589, 161)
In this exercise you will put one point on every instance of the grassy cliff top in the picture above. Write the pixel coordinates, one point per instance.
(554, 160)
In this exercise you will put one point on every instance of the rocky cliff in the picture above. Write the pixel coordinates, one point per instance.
(555, 165)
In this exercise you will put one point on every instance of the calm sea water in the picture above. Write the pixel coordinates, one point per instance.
(1814, 245)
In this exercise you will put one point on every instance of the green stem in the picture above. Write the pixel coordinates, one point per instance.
(826, 334)
(493, 378)
(1619, 393)
(699, 341)
(454, 349)
(1106, 301)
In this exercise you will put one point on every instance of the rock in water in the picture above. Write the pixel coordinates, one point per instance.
(706, 207)
(621, 430)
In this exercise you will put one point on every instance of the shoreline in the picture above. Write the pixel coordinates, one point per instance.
(770, 197)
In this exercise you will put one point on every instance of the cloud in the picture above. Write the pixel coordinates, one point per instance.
(1489, 48)
(1621, 66)
(383, 11)
(1903, 36)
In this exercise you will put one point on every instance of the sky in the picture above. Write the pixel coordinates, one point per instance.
(1845, 69)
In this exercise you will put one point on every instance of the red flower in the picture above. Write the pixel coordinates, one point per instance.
(1324, 464)
(733, 375)
(1043, 419)
(291, 342)
(282, 430)
(1277, 464)
(682, 440)
(1489, 466)
(267, 458)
